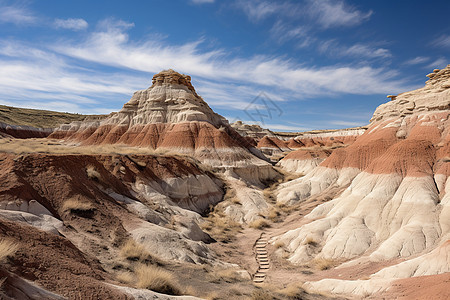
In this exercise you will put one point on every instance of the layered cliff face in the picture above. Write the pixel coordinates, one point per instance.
(393, 200)
(168, 116)
(309, 149)
(254, 132)
(23, 132)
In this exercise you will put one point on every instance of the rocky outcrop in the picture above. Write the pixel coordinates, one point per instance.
(434, 96)
(327, 138)
(171, 116)
(23, 132)
(394, 179)
(272, 146)
(254, 132)
(311, 148)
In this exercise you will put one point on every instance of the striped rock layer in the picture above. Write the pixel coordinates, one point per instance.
(168, 115)
(395, 201)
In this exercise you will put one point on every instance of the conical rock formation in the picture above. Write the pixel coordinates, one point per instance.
(169, 115)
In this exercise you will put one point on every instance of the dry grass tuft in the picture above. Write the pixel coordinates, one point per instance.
(268, 194)
(259, 224)
(134, 251)
(285, 255)
(235, 200)
(75, 205)
(310, 241)
(156, 279)
(7, 249)
(293, 291)
(292, 176)
(190, 290)
(274, 214)
(228, 275)
(260, 294)
(323, 264)
(221, 227)
(212, 296)
(92, 173)
(126, 277)
(279, 244)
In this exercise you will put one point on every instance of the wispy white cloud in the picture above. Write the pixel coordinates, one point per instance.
(439, 63)
(16, 14)
(329, 13)
(417, 60)
(72, 24)
(333, 48)
(367, 51)
(112, 47)
(346, 123)
(257, 10)
(201, 1)
(42, 79)
(442, 41)
(53, 73)
(326, 13)
(282, 32)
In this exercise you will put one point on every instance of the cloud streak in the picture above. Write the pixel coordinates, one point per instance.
(359, 50)
(56, 77)
(112, 47)
(329, 13)
(417, 60)
(442, 41)
(202, 1)
(72, 24)
(325, 13)
(37, 78)
(16, 14)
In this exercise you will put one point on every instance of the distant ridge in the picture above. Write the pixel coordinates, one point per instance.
(40, 118)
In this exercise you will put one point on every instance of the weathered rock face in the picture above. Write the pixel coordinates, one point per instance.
(394, 202)
(254, 132)
(23, 132)
(272, 146)
(309, 149)
(303, 161)
(326, 138)
(168, 115)
(434, 96)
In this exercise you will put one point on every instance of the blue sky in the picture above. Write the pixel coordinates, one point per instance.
(289, 65)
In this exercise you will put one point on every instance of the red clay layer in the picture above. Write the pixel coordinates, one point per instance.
(305, 154)
(420, 151)
(272, 142)
(191, 135)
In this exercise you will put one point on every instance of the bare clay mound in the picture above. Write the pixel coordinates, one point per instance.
(56, 264)
(70, 215)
